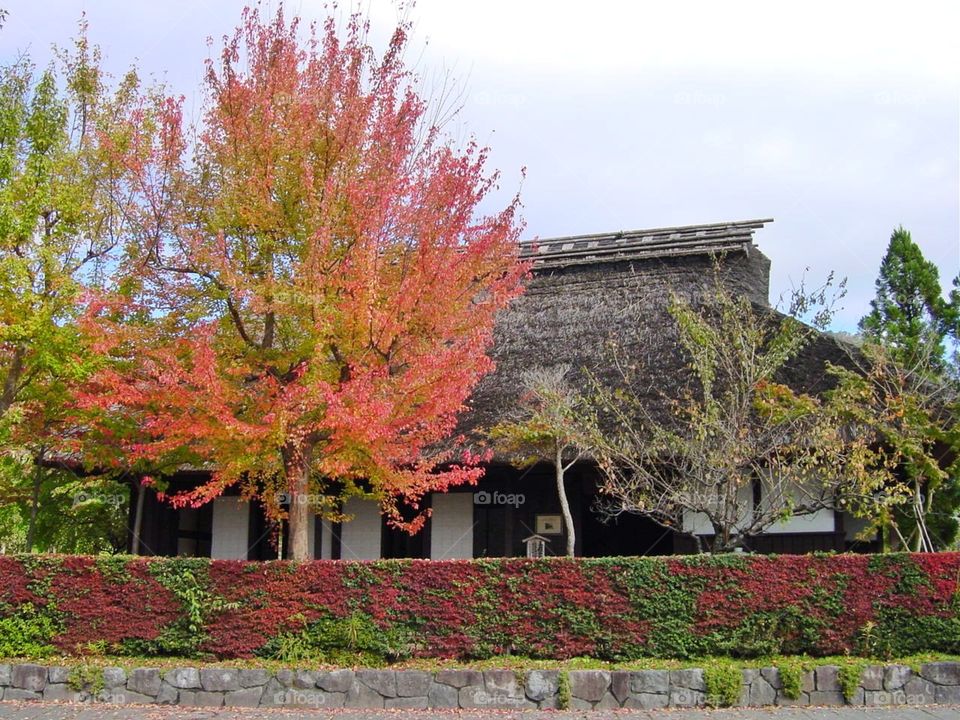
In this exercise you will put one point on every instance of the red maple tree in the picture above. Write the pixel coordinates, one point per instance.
(311, 291)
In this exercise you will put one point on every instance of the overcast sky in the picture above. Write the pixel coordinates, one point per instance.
(840, 120)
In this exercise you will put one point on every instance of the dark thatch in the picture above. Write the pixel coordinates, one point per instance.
(595, 300)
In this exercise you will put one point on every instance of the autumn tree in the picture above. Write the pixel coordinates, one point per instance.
(552, 422)
(312, 288)
(735, 431)
(62, 210)
(912, 423)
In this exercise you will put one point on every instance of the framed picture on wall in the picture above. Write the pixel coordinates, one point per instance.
(549, 525)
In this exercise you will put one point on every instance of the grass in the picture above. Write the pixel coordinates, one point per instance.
(519, 664)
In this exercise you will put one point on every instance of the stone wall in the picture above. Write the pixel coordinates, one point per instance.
(496, 689)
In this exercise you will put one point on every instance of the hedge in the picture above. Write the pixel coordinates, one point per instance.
(612, 609)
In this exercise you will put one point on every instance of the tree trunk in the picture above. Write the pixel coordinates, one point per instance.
(296, 463)
(564, 505)
(138, 519)
(14, 372)
(34, 503)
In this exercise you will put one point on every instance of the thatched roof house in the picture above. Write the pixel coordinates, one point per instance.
(588, 296)
(594, 299)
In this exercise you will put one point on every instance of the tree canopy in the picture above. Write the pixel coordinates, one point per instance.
(909, 312)
(310, 288)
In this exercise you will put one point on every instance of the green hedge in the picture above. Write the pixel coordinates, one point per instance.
(611, 609)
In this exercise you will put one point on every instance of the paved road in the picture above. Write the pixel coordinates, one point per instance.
(56, 711)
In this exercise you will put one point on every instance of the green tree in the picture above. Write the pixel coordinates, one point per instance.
(911, 422)
(905, 392)
(736, 432)
(63, 179)
(908, 314)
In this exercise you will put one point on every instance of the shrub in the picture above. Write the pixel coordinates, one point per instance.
(616, 609)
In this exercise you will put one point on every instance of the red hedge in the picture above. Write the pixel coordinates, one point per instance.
(612, 608)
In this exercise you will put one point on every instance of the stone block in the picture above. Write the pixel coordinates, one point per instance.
(919, 691)
(168, 694)
(681, 696)
(443, 696)
(646, 701)
(58, 674)
(406, 702)
(941, 673)
(247, 697)
(335, 680)
(459, 678)
(784, 701)
(219, 679)
(877, 698)
(413, 683)
(144, 681)
(691, 679)
(114, 677)
(808, 682)
(872, 677)
(550, 703)
(183, 678)
(253, 677)
(116, 696)
(60, 692)
(503, 682)
(29, 677)
(475, 696)
(361, 695)
(896, 676)
(304, 679)
(650, 681)
(828, 678)
(333, 700)
(5, 670)
(12, 693)
(620, 685)
(272, 693)
(541, 685)
(384, 682)
(131, 697)
(772, 676)
(948, 694)
(607, 702)
(286, 677)
(201, 698)
(827, 697)
(589, 685)
(762, 692)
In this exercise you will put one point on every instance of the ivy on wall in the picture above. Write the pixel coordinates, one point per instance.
(616, 609)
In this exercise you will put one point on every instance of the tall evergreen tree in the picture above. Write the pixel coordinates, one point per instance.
(909, 323)
(907, 315)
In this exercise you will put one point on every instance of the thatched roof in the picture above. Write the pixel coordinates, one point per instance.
(594, 300)
(641, 244)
